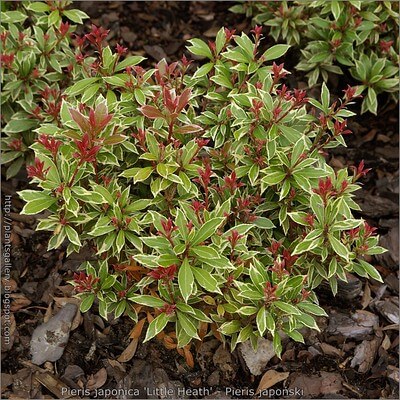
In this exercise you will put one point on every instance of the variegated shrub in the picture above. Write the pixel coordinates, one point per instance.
(37, 64)
(203, 192)
(357, 38)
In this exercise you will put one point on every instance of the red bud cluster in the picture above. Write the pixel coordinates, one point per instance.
(85, 283)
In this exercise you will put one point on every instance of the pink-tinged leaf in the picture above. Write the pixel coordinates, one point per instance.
(162, 67)
(114, 139)
(188, 129)
(72, 134)
(80, 119)
(183, 99)
(151, 112)
(169, 100)
(101, 114)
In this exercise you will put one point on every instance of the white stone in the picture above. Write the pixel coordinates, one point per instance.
(49, 340)
(257, 360)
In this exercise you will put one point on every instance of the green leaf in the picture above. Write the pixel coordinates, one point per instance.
(13, 17)
(295, 335)
(273, 177)
(38, 7)
(299, 217)
(264, 223)
(312, 308)
(54, 18)
(203, 70)
(120, 242)
(185, 280)
(146, 300)
(220, 40)
(72, 235)
(199, 48)
(10, 156)
(275, 52)
(325, 97)
(305, 245)
(38, 205)
(108, 282)
(261, 320)
(90, 92)
(15, 167)
(188, 325)
(308, 321)
(80, 86)
(206, 230)
(205, 252)
(371, 270)
(230, 327)
(336, 9)
(206, 280)
(119, 310)
(75, 15)
(270, 322)
(339, 247)
(287, 308)
(156, 326)
(129, 62)
(20, 125)
(87, 302)
(156, 242)
(277, 343)
(142, 174)
(101, 230)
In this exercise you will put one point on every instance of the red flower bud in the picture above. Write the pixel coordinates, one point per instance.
(84, 282)
(121, 50)
(385, 46)
(50, 143)
(15, 144)
(64, 28)
(37, 170)
(229, 34)
(164, 273)
(257, 31)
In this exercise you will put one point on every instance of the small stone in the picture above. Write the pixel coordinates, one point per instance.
(257, 360)
(49, 340)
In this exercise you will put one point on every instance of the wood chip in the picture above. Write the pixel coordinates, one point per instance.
(53, 384)
(331, 350)
(365, 353)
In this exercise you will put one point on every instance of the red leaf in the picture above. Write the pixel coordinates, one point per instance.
(183, 100)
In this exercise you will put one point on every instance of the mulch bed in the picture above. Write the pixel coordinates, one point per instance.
(354, 356)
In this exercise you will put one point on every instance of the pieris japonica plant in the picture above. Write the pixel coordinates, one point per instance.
(203, 194)
(37, 64)
(360, 38)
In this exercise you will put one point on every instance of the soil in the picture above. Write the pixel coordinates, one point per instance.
(323, 367)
